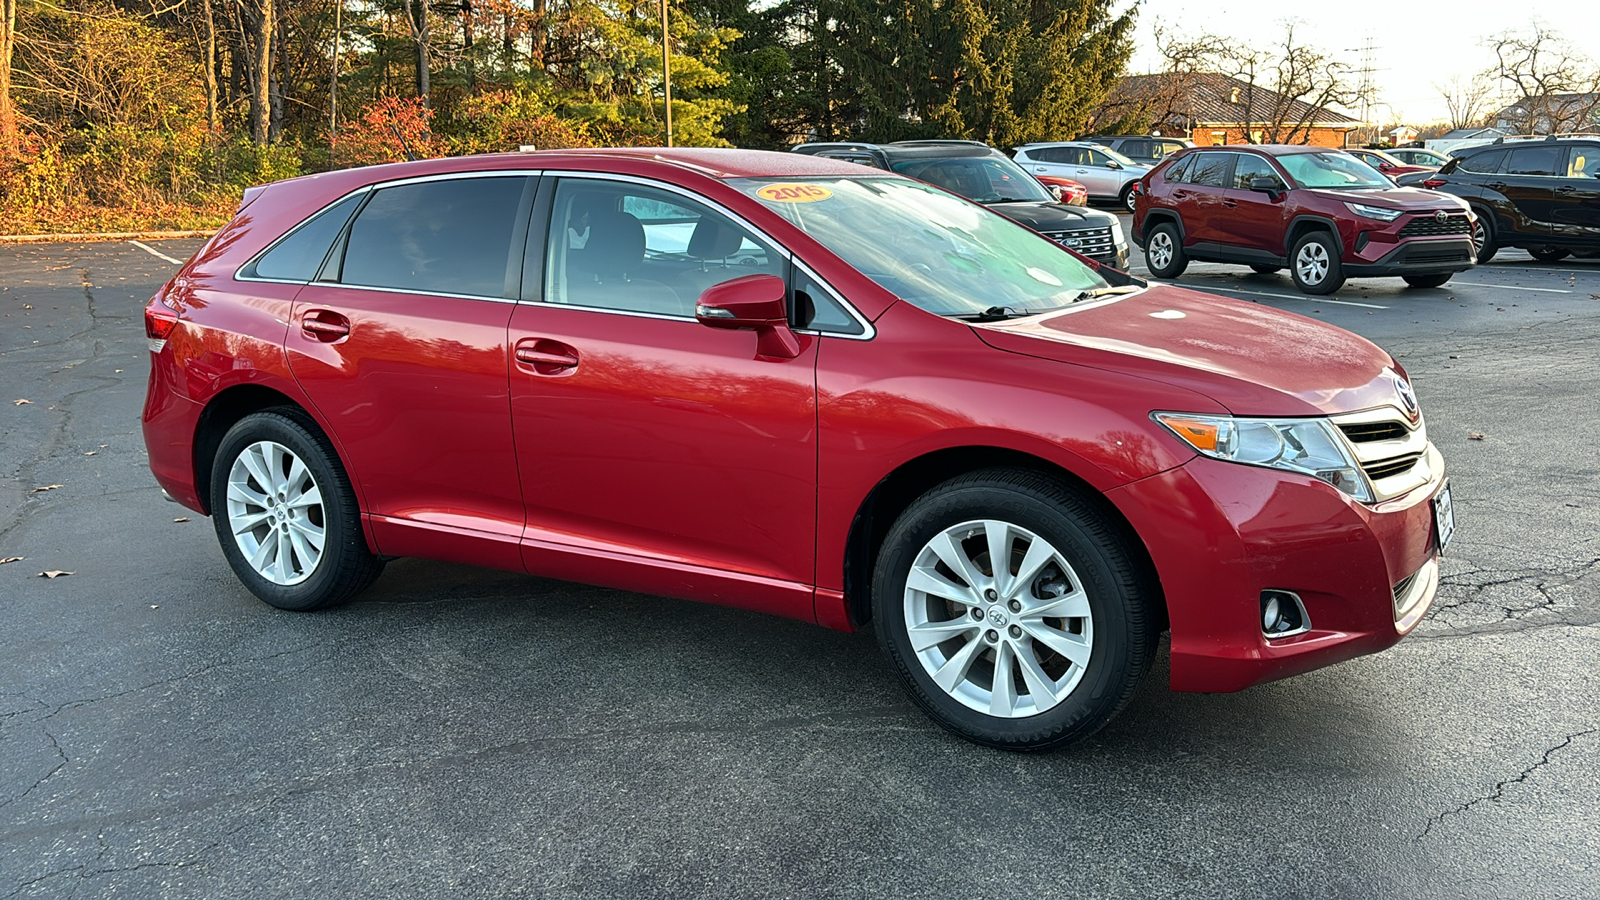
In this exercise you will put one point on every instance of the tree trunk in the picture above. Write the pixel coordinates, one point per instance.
(258, 69)
(466, 42)
(274, 86)
(508, 46)
(538, 37)
(9, 139)
(417, 17)
(211, 71)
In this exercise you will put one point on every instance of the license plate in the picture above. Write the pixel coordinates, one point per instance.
(1444, 516)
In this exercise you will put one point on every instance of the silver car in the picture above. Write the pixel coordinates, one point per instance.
(1106, 173)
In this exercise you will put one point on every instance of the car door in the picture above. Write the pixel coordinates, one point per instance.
(1254, 220)
(1576, 212)
(401, 346)
(1200, 201)
(1102, 175)
(1061, 162)
(1528, 183)
(656, 453)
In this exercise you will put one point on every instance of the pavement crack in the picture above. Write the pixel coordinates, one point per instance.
(48, 775)
(1500, 789)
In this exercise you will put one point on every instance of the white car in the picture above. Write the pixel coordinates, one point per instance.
(1106, 173)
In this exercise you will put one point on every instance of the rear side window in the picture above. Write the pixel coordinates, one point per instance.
(1066, 156)
(443, 237)
(1211, 170)
(1177, 173)
(1138, 149)
(1537, 161)
(299, 256)
(1482, 163)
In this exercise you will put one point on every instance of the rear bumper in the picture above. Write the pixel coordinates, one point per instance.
(1418, 257)
(1220, 534)
(169, 421)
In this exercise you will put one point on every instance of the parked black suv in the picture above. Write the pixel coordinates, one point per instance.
(1539, 196)
(983, 174)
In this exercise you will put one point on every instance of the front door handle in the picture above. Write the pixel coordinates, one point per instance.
(1497, 185)
(324, 325)
(545, 356)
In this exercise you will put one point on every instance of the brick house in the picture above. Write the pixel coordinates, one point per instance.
(1211, 109)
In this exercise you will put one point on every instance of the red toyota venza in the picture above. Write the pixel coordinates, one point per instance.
(799, 386)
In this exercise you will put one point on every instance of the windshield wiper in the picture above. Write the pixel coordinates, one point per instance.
(1001, 313)
(1107, 291)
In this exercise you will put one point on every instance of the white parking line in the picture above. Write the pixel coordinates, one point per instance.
(1218, 287)
(1513, 287)
(154, 252)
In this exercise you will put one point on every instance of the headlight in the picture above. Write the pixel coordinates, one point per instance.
(1309, 446)
(1116, 233)
(1374, 212)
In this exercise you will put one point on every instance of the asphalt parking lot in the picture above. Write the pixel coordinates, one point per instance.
(466, 733)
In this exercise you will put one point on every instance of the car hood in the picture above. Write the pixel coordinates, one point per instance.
(1043, 216)
(1252, 359)
(1409, 199)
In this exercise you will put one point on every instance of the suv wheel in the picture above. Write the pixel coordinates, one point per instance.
(1163, 252)
(1549, 254)
(1427, 281)
(1314, 264)
(1483, 237)
(1126, 197)
(1265, 270)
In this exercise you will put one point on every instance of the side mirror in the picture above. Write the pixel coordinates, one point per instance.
(1268, 185)
(752, 303)
(1113, 164)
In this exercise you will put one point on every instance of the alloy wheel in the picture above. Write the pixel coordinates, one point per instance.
(275, 512)
(1009, 640)
(1479, 235)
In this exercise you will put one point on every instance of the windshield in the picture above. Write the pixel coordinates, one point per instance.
(1118, 156)
(986, 179)
(1331, 170)
(933, 250)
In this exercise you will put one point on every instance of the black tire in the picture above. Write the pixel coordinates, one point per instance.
(345, 566)
(1549, 254)
(1176, 260)
(1123, 600)
(1427, 281)
(1125, 199)
(1483, 237)
(1332, 271)
(1265, 270)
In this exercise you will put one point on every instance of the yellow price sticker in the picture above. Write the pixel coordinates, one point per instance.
(794, 193)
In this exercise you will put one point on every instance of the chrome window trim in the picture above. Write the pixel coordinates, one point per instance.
(868, 332)
(376, 186)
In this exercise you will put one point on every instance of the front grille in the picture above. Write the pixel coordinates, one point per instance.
(1095, 243)
(1422, 256)
(1429, 225)
(1363, 432)
(1394, 465)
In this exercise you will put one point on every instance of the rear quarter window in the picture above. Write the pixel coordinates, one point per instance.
(299, 256)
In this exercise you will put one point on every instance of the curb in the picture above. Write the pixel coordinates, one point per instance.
(102, 236)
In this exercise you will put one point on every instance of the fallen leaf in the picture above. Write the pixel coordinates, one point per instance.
(181, 519)
(48, 487)
(1454, 356)
(91, 452)
(20, 402)
(1594, 296)
(26, 306)
(1474, 435)
(10, 559)
(55, 573)
(154, 606)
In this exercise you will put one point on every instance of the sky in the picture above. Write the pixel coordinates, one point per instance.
(1415, 45)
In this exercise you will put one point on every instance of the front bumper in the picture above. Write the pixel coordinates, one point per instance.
(1417, 257)
(1221, 533)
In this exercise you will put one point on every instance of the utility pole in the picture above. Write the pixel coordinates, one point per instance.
(666, 68)
(1367, 88)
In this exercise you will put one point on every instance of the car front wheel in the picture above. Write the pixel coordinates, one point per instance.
(286, 515)
(1014, 612)
(1427, 281)
(1314, 264)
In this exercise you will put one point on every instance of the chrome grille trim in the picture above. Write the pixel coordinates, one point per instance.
(1420, 589)
(1392, 450)
(1094, 242)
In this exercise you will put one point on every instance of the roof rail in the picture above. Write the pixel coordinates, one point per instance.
(945, 141)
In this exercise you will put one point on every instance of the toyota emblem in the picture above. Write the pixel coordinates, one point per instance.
(1441, 215)
(1407, 396)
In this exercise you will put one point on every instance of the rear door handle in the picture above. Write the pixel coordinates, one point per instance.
(324, 325)
(545, 356)
(1230, 203)
(1566, 189)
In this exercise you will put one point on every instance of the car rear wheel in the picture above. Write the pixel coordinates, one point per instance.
(1163, 253)
(1549, 254)
(1266, 270)
(1126, 198)
(1314, 264)
(1013, 612)
(1483, 238)
(286, 515)
(1427, 281)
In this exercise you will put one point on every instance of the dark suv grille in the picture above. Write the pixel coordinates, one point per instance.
(1095, 243)
(1429, 225)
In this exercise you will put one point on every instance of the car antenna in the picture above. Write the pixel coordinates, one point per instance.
(410, 157)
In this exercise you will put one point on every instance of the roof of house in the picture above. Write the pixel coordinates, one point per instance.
(1210, 100)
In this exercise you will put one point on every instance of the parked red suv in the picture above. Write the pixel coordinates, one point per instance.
(800, 386)
(1324, 214)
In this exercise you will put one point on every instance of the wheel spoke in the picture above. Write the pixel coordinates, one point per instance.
(303, 550)
(1034, 560)
(956, 558)
(314, 536)
(244, 522)
(281, 562)
(299, 477)
(257, 467)
(934, 633)
(1003, 698)
(312, 497)
(998, 536)
(955, 668)
(273, 454)
(1068, 606)
(242, 493)
(263, 550)
(1068, 645)
(930, 582)
(1040, 686)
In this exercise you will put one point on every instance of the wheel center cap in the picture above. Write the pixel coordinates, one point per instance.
(997, 615)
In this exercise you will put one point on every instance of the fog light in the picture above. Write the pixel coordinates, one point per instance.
(1282, 614)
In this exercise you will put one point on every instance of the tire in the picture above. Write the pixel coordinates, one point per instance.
(1125, 199)
(1549, 254)
(1098, 649)
(1265, 270)
(281, 451)
(1483, 237)
(1427, 281)
(1163, 252)
(1314, 263)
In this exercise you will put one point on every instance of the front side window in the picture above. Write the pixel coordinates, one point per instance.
(936, 251)
(986, 179)
(1333, 169)
(1248, 168)
(1537, 161)
(447, 237)
(1585, 162)
(633, 248)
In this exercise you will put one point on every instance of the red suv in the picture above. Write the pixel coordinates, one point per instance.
(1323, 213)
(799, 386)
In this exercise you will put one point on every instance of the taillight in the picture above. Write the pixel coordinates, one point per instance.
(159, 321)
(1138, 187)
(1432, 183)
